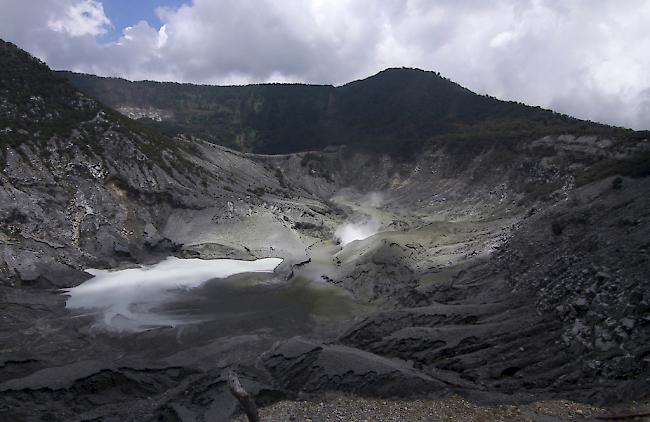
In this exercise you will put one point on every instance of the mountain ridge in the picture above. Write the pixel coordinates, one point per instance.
(397, 110)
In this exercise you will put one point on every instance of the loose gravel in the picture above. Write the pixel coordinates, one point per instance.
(455, 408)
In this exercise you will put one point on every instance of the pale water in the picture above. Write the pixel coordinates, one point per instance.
(134, 299)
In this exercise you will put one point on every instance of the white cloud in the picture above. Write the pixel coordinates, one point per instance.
(84, 18)
(502, 39)
(162, 36)
(587, 58)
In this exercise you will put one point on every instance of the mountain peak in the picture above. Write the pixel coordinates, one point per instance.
(405, 75)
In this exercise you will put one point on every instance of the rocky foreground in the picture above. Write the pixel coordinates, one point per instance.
(339, 409)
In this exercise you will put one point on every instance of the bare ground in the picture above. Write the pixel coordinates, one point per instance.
(455, 408)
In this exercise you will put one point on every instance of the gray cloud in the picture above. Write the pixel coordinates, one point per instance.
(587, 58)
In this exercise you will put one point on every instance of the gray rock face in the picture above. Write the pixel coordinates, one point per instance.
(125, 210)
(303, 366)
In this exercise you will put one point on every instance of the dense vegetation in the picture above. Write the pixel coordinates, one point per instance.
(249, 118)
(38, 105)
(34, 100)
(396, 111)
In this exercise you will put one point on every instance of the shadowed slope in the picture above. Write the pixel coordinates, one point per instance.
(397, 110)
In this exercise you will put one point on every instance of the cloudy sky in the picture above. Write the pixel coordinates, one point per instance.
(587, 58)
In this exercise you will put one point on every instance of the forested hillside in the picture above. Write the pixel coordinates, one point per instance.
(398, 110)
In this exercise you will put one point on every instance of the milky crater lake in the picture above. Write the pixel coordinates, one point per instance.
(230, 296)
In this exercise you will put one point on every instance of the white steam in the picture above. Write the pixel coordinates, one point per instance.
(373, 200)
(127, 299)
(363, 224)
(350, 232)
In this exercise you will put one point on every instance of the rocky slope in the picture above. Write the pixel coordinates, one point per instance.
(503, 268)
(83, 186)
(550, 313)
